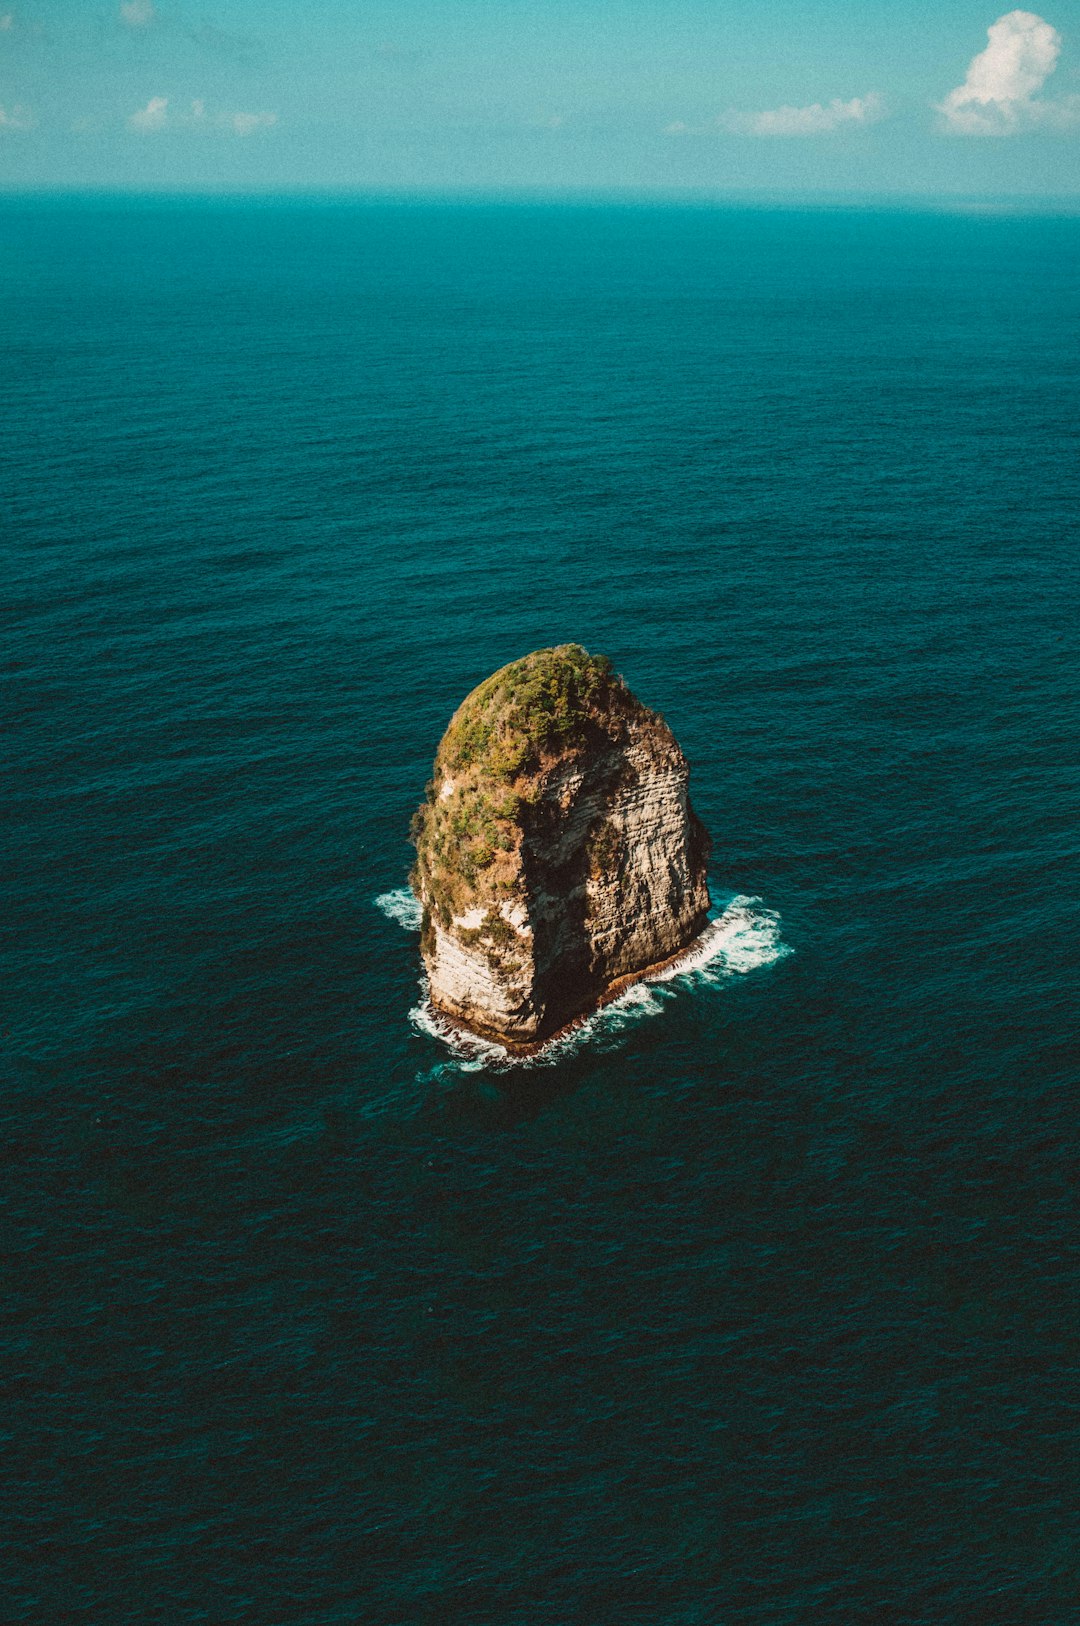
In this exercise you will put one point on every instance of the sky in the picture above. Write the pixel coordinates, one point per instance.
(898, 97)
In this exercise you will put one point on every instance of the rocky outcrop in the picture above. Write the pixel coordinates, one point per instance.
(558, 857)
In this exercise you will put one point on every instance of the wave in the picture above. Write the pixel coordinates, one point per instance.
(402, 907)
(743, 936)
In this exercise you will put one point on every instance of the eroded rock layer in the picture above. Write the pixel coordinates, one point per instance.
(558, 855)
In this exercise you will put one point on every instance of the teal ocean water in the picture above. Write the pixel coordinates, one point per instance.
(756, 1305)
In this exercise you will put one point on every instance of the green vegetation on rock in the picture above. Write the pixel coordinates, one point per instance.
(488, 767)
(537, 704)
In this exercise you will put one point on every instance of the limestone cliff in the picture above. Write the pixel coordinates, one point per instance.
(557, 855)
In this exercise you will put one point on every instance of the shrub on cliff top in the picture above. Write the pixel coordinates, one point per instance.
(541, 702)
(487, 762)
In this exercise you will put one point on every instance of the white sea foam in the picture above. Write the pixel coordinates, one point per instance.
(401, 906)
(743, 937)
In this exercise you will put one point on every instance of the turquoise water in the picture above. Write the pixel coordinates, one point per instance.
(755, 1305)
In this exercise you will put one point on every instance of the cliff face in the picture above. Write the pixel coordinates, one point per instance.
(557, 852)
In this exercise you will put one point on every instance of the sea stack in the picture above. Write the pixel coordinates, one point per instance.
(558, 858)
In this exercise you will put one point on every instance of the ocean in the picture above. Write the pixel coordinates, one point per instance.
(757, 1303)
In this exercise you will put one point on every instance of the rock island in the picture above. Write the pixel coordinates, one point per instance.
(558, 858)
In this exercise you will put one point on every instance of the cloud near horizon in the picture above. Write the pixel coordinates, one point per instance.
(245, 123)
(998, 96)
(156, 116)
(137, 13)
(16, 118)
(817, 119)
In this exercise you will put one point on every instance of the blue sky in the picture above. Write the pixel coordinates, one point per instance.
(789, 96)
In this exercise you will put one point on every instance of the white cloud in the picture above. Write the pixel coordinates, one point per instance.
(243, 124)
(817, 119)
(154, 116)
(16, 118)
(998, 96)
(7, 22)
(137, 13)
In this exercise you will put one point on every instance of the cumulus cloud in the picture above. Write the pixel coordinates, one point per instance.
(15, 118)
(137, 13)
(817, 119)
(244, 124)
(999, 94)
(154, 116)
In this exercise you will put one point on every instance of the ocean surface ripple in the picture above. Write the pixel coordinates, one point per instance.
(756, 1304)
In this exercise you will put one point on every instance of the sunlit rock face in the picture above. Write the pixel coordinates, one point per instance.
(558, 856)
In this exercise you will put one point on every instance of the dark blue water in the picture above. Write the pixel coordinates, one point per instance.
(758, 1309)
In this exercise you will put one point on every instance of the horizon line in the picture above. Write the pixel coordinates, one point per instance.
(1066, 204)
